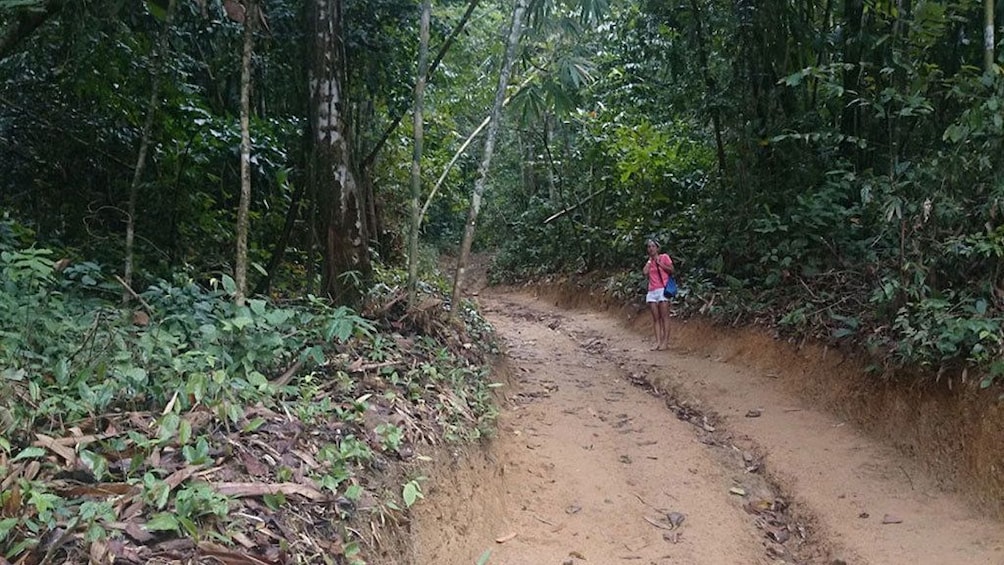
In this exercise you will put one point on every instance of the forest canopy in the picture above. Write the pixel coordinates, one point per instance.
(831, 168)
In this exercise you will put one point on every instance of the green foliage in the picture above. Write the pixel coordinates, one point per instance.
(70, 354)
(834, 174)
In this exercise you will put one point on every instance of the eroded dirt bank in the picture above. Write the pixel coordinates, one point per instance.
(589, 464)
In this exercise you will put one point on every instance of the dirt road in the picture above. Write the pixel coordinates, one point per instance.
(594, 464)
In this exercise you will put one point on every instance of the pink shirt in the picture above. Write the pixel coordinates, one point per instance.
(657, 277)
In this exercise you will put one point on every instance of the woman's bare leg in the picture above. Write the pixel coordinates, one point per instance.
(653, 307)
(664, 324)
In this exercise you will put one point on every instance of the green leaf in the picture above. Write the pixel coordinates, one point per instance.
(274, 501)
(228, 284)
(258, 380)
(340, 329)
(257, 306)
(162, 522)
(29, 453)
(981, 307)
(94, 462)
(11, 4)
(794, 79)
(156, 11)
(411, 493)
(184, 432)
(136, 374)
(353, 492)
(168, 427)
(6, 526)
(484, 557)
(253, 425)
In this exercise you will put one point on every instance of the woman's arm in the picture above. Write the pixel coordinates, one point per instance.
(666, 264)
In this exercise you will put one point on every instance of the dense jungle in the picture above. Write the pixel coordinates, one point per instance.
(276, 272)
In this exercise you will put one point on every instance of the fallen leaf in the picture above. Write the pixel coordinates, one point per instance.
(99, 553)
(228, 557)
(31, 471)
(780, 535)
(100, 489)
(243, 540)
(505, 538)
(133, 530)
(261, 489)
(181, 475)
(737, 491)
(61, 450)
(253, 465)
(573, 509)
(754, 413)
(576, 555)
(170, 403)
(890, 519)
(758, 506)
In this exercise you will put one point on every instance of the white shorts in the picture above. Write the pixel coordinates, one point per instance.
(655, 296)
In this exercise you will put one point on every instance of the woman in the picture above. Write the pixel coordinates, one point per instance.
(658, 269)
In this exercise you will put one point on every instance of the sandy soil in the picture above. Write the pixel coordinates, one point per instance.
(603, 443)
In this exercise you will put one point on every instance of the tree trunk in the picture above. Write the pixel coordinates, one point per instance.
(292, 213)
(416, 157)
(241, 263)
(988, 35)
(144, 145)
(709, 83)
(368, 160)
(493, 126)
(853, 12)
(346, 263)
(463, 147)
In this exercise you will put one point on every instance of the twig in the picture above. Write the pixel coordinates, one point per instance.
(284, 378)
(813, 294)
(89, 337)
(543, 520)
(907, 476)
(657, 524)
(636, 495)
(371, 366)
(60, 542)
(147, 307)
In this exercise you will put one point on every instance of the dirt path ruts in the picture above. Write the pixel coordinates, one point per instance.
(585, 463)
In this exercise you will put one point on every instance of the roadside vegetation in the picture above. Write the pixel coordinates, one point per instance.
(831, 171)
(190, 427)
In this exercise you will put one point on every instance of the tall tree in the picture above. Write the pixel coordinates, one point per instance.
(988, 35)
(241, 263)
(416, 158)
(144, 144)
(515, 31)
(346, 261)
